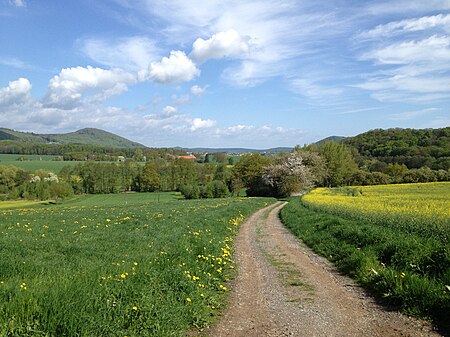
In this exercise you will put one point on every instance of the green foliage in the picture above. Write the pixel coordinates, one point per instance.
(149, 179)
(413, 148)
(139, 269)
(190, 191)
(340, 163)
(182, 172)
(249, 170)
(401, 267)
(10, 178)
(219, 189)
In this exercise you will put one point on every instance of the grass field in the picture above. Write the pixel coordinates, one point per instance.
(392, 239)
(108, 266)
(124, 199)
(35, 162)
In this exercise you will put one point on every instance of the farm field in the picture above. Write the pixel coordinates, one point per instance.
(35, 162)
(103, 266)
(392, 239)
(420, 208)
(11, 204)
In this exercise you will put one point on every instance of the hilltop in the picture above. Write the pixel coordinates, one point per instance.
(89, 136)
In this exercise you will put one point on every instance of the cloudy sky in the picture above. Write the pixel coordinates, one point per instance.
(232, 73)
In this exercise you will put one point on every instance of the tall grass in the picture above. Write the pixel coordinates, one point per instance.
(135, 269)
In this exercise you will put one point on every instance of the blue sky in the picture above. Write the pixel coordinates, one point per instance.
(232, 73)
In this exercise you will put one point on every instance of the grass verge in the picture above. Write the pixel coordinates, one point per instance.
(404, 270)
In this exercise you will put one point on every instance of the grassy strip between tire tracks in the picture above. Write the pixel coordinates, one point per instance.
(404, 270)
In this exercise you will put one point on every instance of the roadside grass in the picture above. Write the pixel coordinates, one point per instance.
(110, 268)
(402, 268)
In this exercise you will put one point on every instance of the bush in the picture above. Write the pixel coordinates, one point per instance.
(190, 191)
(219, 189)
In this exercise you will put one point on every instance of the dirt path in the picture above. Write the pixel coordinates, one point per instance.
(284, 289)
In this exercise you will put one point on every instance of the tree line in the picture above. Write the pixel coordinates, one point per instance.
(85, 152)
(330, 164)
(414, 148)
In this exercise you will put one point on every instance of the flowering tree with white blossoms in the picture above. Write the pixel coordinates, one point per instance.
(294, 173)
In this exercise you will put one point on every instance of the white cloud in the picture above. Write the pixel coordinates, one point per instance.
(198, 123)
(409, 115)
(169, 128)
(131, 53)
(67, 88)
(16, 92)
(197, 90)
(18, 3)
(14, 62)
(432, 49)
(176, 68)
(409, 70)
(259, 137)
(220, 45)
(169, 111)
(262, 39)
(312, 89)
(405, 6)
(408, 25)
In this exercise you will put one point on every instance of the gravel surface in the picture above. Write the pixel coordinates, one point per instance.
(284, 289)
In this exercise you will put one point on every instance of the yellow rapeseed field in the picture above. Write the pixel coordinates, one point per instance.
(403, 205)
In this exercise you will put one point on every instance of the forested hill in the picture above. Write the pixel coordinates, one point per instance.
(89, 136)
(413, 147)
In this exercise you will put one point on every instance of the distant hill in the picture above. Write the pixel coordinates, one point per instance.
(234, 150)
(88, 136)
(330, 139)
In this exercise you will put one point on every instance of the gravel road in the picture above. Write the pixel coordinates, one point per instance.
(284, 289)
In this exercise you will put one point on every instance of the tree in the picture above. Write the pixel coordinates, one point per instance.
(249, 170)
(220, 157)
(9, 178)
(222, 173)
(138, 155)
(182, 172)
(396, 171)
(150, 178)
(293, 173)
(190, 191)
(339, 163)
(219, 189)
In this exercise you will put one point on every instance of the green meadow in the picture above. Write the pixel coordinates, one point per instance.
(32, 163)
(117, 265)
